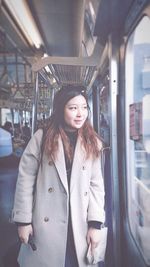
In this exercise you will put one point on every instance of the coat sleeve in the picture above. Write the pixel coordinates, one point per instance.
(28, 168)
(96, 210)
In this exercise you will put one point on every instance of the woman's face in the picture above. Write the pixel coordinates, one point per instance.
(75, 113)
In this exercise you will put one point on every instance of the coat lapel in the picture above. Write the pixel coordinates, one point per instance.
(60, 164)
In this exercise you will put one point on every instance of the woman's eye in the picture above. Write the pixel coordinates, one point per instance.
(75, 108)
(72, 108)
(85, 107)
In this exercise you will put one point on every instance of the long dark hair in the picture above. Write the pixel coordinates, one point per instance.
(55, 127)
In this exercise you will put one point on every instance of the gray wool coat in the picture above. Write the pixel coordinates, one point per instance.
(42, 197)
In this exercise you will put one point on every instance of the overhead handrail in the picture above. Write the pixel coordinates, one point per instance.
(92, 60)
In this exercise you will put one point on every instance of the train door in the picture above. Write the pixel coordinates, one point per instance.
(134, 150)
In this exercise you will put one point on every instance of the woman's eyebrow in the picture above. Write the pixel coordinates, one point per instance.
(72, 105)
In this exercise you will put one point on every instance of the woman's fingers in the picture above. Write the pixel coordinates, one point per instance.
(24, 232)
(93, 237)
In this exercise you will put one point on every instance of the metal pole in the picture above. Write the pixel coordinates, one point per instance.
(34, 108)
(52, 101)
(113, 83)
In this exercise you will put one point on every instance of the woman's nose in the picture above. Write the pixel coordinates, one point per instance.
(79, 112)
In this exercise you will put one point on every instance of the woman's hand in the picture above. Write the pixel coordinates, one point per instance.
(93, 237)
(24, 232)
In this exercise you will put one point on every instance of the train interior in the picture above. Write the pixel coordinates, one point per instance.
(105, 46)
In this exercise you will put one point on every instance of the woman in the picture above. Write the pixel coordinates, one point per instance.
(59, 196)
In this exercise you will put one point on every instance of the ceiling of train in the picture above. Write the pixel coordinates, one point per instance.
(56, 38)
(59, 24)
(64, 29)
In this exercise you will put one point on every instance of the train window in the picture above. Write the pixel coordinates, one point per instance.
(5, 115)
(138, 135)
(104, 119)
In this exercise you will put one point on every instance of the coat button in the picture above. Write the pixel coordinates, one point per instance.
(85, 193)
(51, 189)
(46, 219)
(83, 167)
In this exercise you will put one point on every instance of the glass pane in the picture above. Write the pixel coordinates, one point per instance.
(138, 134)
(104, 114)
